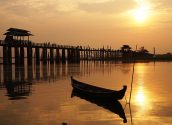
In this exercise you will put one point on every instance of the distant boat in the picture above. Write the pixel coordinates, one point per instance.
(97, 92)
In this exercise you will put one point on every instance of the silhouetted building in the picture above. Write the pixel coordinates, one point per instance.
(15, 34)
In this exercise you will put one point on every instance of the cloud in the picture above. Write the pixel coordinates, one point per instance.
(108, 7)
(17, 8)
(50, 7)
(166, 22)
(54, 7)
(27, 8)
(162, 6)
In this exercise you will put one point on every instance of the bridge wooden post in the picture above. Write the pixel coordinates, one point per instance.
(29, 55)
(87, 54)
(9, 55)
(63, 56)
(37, 54)
(17, 73)
(94, 54)
(107, 54)
(84, 53)
(22, 55)
(44, 55)
(17, 60)
(51, 55)
(115, 54)
(103, 54)
(74, 55)
(99, 54)
(57, 55)
(69, 55)
(78, 55)
(5, 55)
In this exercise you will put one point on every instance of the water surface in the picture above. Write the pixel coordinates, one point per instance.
(41, 94)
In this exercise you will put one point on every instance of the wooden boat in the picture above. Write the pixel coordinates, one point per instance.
(109, 104)
(97, 92)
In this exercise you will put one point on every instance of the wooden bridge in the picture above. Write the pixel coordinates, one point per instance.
(48, 52)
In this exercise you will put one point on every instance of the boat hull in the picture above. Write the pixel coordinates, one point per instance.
(97, 92)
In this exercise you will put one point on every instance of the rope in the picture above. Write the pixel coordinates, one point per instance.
(132, 82)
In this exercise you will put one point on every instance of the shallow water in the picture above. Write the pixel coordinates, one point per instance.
(41, 95)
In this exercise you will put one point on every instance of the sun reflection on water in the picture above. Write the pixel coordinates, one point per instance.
(142, 96)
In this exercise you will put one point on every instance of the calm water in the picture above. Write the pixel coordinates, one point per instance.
(41, 95)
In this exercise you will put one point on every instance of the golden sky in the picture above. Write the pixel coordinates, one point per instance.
(92, 22)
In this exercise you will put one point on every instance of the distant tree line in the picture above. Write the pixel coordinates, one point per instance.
(141, 53)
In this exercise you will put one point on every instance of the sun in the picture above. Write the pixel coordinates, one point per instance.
(142, 12)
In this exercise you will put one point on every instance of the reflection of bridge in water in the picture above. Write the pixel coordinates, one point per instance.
(18, 80)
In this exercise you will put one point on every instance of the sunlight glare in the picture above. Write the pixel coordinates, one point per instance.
(140, 69)
(142, 12)
(140, 98)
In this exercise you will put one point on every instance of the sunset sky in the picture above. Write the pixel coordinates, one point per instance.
(92, 22)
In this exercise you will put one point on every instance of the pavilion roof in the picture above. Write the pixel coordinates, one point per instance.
(18, 32)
